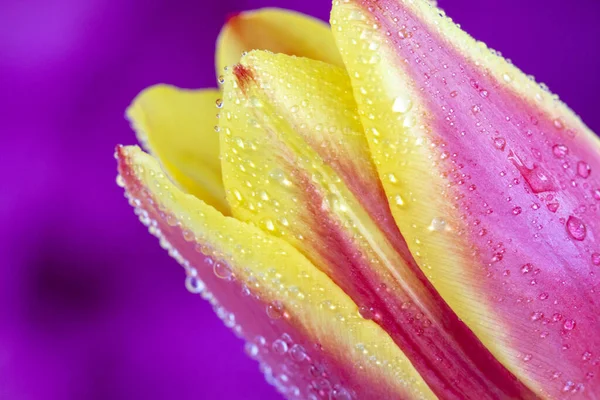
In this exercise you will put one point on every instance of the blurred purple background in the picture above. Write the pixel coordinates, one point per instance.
(90, 306)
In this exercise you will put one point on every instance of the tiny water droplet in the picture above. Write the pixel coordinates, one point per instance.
(560, 150)
(279, 347)
(500, 143)
(569, 324)
(219, 103)
(401, 104)
(596, 259)
(537, 315)
(517, 210)
(576, 228)
(222, 270)
(193, 284)
(275, 310)
(297, 353)
(525, 269)
(583, 169)
(453, 93)
(251, 349)
(596, 194)
(553, 207)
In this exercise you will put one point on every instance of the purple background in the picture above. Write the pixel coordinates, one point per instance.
(90, 306)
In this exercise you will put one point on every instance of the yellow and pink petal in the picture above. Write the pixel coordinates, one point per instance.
(298, 324)
(499, 181)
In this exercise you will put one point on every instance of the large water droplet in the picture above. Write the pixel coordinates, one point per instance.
(536, 177)
(576, 228)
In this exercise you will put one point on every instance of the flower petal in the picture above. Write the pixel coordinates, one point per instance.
(296, 163)
(301, 327)
(276, 30)
(177, 126)
(500, 185)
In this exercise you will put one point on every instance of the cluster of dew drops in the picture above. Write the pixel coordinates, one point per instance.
(284, 356)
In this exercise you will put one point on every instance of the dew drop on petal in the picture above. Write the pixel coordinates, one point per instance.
(297, 353)
(500, 143)
(576, 228)
(596, 259)
(583, 169)
(222, 270)
(569, 325)
(560, 150)
(275, 310)
(193, 284)
(553, 207)
(279, 347)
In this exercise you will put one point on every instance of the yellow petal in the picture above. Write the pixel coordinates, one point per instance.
(276, 30)
(177, 126)
(262, 286)
(296, 163)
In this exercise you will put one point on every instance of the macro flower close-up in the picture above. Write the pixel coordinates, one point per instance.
(339, 200)
(382, 209)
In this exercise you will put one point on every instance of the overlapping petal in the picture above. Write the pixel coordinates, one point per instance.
(301, 327)
(177, 126)
(499, 184)
(276, 30)
(296, 163)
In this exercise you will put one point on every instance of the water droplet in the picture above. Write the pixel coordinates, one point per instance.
(275, 310)
(366, 312)
(219, 103)
(297, 353)
(569, 325)
(553, 207)
(401, 104)
(586, 356)
(280, 347)
(543, 296)
(596, 259)
(251, 349)
(527, 357)
(500, 143)
(222, 270)
(537, 315)
(339, 393)
(404, 33)
(438, 224)
(476, 109)
(525, 269)
(453, 93)
(576, 228)
(583, 169)
(517, 210)
(560, 150)
(596, 194)
(193, 284)
(538, 180)
(483, 93)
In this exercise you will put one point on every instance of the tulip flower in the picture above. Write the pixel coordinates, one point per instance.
(388, 209)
